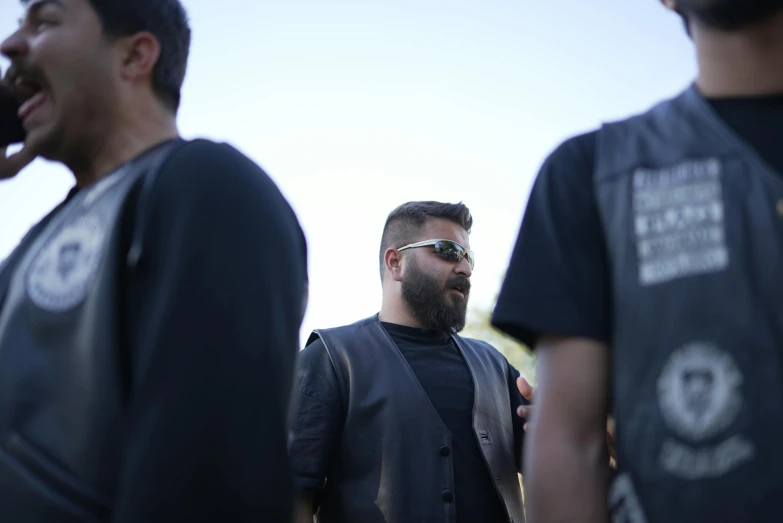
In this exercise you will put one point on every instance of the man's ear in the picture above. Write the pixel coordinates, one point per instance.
(139, 54)
(393, 260)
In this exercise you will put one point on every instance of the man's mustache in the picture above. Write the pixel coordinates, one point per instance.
(459, 283)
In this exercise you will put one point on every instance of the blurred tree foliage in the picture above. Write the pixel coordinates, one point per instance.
(478, 326)
(521, 357)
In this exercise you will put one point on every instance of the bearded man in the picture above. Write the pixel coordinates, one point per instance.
(398, 418)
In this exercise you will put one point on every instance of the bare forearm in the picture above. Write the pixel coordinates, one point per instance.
(567, 482)
(303, 508)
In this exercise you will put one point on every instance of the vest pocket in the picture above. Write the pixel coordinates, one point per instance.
(33, 489)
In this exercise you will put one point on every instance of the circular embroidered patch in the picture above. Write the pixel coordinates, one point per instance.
(60, 275)
(699, 391)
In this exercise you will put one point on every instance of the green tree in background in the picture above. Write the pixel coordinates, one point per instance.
(478, 326)
(521, 357)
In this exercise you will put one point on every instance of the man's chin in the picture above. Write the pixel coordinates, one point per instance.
(457, 318)
(458, 299)
(731, 15)
(41, 142)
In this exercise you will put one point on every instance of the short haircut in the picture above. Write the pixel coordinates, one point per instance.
(406, 221)
(168, 22)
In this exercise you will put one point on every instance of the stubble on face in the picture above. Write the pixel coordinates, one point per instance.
(728, 15)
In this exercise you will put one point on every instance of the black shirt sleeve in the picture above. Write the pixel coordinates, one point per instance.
(317, 422)
(214, 310)
(517, 400)
(558, 279)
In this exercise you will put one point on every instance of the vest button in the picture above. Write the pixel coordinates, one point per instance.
(447, 496)
(445, 451)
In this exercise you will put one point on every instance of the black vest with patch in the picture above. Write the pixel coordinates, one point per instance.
(693, 219)
(389, 467)
(62, 391)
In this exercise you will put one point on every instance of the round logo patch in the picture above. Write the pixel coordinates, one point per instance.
(61, 273)
(699, 391)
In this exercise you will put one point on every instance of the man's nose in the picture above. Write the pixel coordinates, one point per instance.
(463, 268)
(15, 46)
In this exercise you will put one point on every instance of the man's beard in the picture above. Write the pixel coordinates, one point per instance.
(427, 299)
(728, 15)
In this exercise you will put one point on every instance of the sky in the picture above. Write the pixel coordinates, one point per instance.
(354, 107)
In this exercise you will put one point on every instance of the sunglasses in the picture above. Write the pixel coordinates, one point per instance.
(446, 249)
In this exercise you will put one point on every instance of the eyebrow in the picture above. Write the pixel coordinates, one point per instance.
(35, 6)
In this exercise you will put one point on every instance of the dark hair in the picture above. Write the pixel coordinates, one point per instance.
(168, 22)
(406, 220)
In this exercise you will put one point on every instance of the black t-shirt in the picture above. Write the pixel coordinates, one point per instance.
(211, 320)
(440, 368)
(558, 281)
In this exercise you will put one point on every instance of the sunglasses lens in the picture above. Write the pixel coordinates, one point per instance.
(453, 252)
(448, 250)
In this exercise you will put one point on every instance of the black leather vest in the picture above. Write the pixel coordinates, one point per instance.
(694, 223)
(61, 395)
(390, 468)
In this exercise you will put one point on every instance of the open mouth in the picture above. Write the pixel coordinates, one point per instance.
(30, 94)
(460, 290)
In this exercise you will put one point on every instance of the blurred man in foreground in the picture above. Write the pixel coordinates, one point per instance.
(645, 275)
(149, 324)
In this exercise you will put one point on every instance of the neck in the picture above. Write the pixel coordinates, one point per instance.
(743, 63)
(393, 310)
(130, 138)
